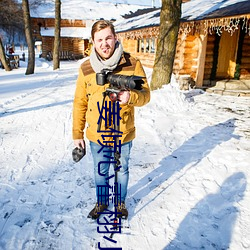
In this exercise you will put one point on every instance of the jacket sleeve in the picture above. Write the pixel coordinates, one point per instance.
(80, 105)
(139, 98)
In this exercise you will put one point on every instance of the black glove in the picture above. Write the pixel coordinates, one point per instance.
(78, 153)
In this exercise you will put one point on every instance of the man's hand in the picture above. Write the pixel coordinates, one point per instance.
(79, 151)
(123, 97)
(79, 143)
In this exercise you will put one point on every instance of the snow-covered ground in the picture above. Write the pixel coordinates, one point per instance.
(189, 169)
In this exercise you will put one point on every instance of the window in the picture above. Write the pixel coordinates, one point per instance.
(146, 45)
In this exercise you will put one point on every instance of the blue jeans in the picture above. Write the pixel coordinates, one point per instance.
(102, 163)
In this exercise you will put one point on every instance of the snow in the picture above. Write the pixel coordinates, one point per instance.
(145, 20)
(197, 9)
(189, 168)
(192, 10)
(86, 10)
(84, 33)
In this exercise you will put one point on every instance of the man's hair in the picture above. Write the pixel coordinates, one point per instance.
(101, 24)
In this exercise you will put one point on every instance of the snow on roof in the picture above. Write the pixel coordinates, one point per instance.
(145, 20)
(192, 10)
(197, 9)
(79, 32)
(85, 10)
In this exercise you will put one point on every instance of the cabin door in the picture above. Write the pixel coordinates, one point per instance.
(227, 55)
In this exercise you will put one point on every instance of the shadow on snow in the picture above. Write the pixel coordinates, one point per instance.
(190, 153)
(210, 223)
(23, 110)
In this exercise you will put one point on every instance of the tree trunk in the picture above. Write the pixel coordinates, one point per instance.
(28, 33)
(168, 34)
(3, 57)
(56, 59)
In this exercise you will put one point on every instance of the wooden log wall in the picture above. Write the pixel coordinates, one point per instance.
(186, 55)
(66, 44)
(73, 45)
(79, 46)
(178, 61)
(146, 59)
(47, 45)
(190, 56)
(131, 46)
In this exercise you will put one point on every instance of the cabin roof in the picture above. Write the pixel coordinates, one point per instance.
(193, 10)
(208, 9)
(77, 32)
(140, 21)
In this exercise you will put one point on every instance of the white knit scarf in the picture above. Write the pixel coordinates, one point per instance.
(98, 64)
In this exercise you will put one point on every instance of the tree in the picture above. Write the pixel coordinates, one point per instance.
(29, 39)
(10, 24)
(56, 59)
(11, 19)
(168, 34)
(3, 57)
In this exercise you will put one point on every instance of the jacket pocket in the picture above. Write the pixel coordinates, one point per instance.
(127, 118)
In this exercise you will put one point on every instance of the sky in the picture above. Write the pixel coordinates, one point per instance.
(189, 168)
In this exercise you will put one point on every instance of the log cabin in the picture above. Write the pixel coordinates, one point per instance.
(74, 37)
(213, 41)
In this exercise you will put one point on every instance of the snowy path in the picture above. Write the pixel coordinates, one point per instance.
(189, 172)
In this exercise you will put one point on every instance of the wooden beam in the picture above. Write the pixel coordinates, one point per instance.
(201, 60)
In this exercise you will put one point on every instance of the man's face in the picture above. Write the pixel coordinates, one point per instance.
(104, 42)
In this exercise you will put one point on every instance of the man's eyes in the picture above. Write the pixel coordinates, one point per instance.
(108, 38)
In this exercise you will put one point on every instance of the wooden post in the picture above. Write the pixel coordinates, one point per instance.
(201, 60)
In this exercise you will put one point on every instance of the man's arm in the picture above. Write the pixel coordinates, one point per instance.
(140, 97)
(80, 106)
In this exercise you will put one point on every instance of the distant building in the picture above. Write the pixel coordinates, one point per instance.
(75, 36)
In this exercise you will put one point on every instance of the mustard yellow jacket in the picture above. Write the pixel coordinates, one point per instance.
(88, 94)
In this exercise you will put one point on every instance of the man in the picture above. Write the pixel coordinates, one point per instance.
(107, 54)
